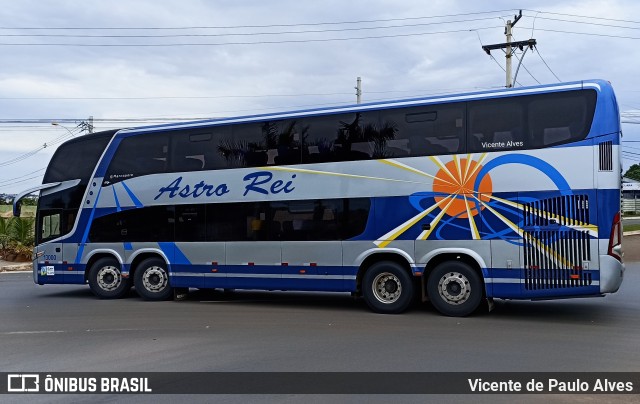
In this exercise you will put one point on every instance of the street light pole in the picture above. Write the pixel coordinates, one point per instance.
(64, 127)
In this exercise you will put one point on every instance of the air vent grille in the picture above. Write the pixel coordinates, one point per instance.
(606, 156)
(570, 210)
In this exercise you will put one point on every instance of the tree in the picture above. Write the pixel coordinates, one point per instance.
(633, 172)
(5, 234)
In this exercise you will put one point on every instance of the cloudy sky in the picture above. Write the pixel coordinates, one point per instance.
(136, 62)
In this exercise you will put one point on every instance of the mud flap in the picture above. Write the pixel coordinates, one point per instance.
(490, 305)
(180, 294)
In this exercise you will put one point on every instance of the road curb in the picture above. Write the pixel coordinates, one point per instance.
(16, 267)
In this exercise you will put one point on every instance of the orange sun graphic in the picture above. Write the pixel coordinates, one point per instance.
(457, 178)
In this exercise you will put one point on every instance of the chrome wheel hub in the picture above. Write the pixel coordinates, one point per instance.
(387, 288)
(109, 278)
(454, 288)
(154, 279)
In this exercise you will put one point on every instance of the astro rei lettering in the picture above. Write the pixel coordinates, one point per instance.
(260, 182)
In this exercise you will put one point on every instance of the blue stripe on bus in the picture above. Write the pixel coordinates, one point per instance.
(173, 253)
(85, 235)
(270, 277)
(509, 283)
(134, 199)
(115, 197)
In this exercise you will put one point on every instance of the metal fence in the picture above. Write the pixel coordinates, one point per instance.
(631, 205)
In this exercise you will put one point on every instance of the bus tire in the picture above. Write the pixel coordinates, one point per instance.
(387, 288)
(151, 280)
(454, 289)
(105, 279)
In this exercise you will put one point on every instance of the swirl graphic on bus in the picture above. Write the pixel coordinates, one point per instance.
(462, 188)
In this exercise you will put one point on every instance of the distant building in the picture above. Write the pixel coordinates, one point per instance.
(630, 195)
(630, 188)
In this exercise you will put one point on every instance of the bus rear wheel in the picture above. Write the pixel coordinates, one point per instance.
(105, 279)
(454, 289)
(387, 288)
(151, 280)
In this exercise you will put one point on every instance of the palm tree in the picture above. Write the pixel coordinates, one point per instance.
(5, 235)
(21, 236)
(21, 230)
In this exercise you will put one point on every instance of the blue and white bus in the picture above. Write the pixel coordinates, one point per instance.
(456, 199)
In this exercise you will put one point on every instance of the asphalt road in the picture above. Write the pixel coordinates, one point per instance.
(64, 328)
(631, 220)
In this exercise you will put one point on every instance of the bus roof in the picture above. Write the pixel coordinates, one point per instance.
(601, 86)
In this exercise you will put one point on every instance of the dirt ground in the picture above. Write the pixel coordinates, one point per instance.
(631, 248)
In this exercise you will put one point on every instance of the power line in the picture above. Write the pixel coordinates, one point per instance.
(196, 97)
(583, 16)
(19, 181)
(521, 61)
(260, 26)
(525, 67)
(545, 63)
(164, 36)
(308, 40)
(244, 43)
(588, 23)
(29, 122)
(33, 152)
(587, 33)
(4, 182)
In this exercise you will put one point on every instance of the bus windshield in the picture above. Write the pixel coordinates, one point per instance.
(74, 160)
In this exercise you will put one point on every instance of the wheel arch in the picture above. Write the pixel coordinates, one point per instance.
(144, 254)
(370, 257)
(98, 254)
(469, 257)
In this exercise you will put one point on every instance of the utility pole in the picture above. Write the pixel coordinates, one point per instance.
(509, 46)
(87, 125)
(358, 88)
(507, 31)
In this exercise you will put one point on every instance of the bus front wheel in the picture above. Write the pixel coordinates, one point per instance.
(105, 279)
(151, 280)
(387, 288)
(454, 289)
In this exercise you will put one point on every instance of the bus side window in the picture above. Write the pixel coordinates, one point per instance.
(562, 118)
(188, 151)
(425, 130)
(137, 156)
(497, 125)
(50, 224)
(191, 224)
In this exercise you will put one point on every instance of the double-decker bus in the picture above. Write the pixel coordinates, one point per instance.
(456, 199)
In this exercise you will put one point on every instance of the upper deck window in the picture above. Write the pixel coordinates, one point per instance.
(530, 122)
(77, 159)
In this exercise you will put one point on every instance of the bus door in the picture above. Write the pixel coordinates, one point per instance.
(501, 222)
(49, 259)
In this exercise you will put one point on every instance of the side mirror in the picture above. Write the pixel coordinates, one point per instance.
(17, 208)
(17, 205)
